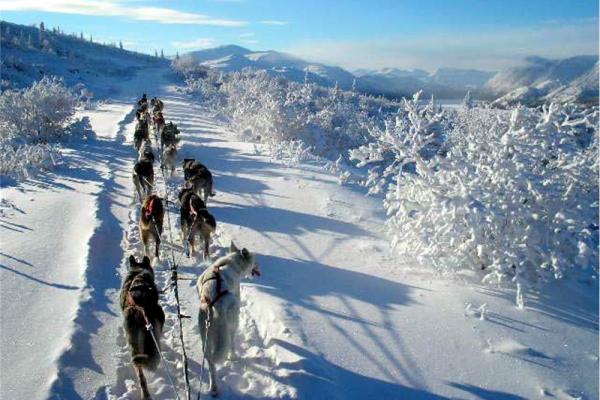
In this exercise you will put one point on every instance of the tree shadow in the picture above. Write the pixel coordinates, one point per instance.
(262, 218)
(38, 280)
(314, 377)
(485, 394)
(571, 302)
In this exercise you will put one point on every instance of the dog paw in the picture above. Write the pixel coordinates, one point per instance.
(214, 392)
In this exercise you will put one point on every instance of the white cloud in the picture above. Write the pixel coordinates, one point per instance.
(247, 34)
(486, 50)
(116, 9)
(273, 22)
(199, 43)
(249, 41)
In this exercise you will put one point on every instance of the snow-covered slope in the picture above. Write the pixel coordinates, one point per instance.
(234, 58)
(445, 83)
(28, 54)
(538, 70)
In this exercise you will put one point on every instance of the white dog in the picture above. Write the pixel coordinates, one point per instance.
(219, 290)
(169, 158)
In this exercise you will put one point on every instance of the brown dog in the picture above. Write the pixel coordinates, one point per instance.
(151, 222)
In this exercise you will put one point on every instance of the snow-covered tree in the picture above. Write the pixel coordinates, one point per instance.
(467, 101)
(41, 32)
(38, 113)
(162, 55)
(510, 193)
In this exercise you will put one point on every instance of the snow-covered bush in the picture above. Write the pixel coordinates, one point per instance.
(511, 193)
(32, 118)
(277, 112)
(36, 114)
(22, 161)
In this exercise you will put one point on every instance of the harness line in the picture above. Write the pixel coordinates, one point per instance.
(173, 268)
(148, 326)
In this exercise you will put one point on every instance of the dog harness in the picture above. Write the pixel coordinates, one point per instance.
(216, 275)
(132, 304)
(149, 208)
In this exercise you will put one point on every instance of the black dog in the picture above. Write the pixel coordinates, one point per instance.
(143, 178)
(198, 178)
(139, 305)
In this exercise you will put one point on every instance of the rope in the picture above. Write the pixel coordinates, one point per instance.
(173, 268)
(131, 303)
(149, 328)
(204, 351)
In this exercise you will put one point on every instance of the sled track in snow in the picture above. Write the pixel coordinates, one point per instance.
(251, 374)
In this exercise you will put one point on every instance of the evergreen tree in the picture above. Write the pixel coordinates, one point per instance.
(120, 45)
(155, 53)
(162, 55)
(81, 36)
(91, 39)
(41, 32)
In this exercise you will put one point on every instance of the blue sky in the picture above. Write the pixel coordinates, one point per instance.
(427, 34)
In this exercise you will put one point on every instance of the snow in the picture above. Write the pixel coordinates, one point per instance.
(335, 315)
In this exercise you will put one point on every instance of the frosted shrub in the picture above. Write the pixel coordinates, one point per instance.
(23, 161)
(32, 118)
(277, 111)
(36, 114)
(511, 193)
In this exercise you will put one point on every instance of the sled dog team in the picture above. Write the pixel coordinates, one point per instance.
(218, 286)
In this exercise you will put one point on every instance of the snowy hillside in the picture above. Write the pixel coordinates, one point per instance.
(393, 82)
(28, 54)
(538, 70)
(235, 58)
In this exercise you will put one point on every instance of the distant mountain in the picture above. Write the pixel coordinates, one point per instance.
(538, 71)
(234, 58)
(28, 54)
(466, 78)
(445, 83)
(392, 82)
(539, 78)
(392, 73)
(573, 79)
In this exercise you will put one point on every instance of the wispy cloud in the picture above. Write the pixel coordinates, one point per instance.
(491, 51)
(273, 22)
(199, 43)
(247, 34)
(110, 8)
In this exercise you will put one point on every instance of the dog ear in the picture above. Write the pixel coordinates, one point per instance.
(146, 261)
(245, 253)
(132, 261)
(232, 247)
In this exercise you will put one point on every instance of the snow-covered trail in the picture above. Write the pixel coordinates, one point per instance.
(60, 247)
(334, 316)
